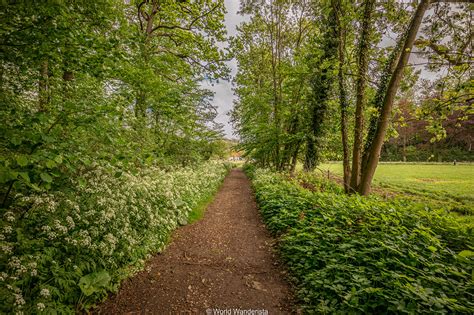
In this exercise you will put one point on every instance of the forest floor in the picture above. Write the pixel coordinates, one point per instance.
(225, 261)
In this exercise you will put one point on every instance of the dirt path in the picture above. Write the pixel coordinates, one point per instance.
(224, 261)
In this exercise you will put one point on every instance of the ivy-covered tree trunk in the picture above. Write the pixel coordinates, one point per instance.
(320, 82)
(362, 67)
(375, 146)
(377, 101)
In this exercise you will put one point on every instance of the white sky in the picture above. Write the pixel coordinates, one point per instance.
(224, 97)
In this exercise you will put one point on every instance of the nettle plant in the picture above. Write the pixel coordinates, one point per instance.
(65, 250)
(359, 255)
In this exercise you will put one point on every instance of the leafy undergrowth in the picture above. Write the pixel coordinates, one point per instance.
(355, 255)
(63, 251)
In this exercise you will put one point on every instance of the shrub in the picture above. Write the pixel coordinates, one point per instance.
(357, 255)
(67, 249)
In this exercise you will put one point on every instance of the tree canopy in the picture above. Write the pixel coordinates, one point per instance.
(320, 79)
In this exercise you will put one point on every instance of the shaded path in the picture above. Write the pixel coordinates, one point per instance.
(223, 261)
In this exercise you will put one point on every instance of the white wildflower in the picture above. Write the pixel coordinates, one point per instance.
(70, 222)
(7, 249)
(44, 292)
(19, 300)
(9, 216)
(40, 306)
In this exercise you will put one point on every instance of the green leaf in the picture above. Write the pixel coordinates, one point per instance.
(47, 139)
(82, 182)
(22, 160)
(25, 176)
(466, 253)
(94, 282)
(58, 159)
(46, 177)
(15, 141)
(117, 174)
(50, 164)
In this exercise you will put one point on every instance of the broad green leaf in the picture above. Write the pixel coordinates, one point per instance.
(22, 160)
(94, 282)
(46, 177)
(25, 176)
(466, 253)
(15, 141)
(50, 164)
(58, 159)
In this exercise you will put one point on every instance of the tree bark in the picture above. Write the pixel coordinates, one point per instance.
(43, 86)
(379, 98)
(343, 97)
(321, 82)
(294, 158)
(376, 145)
(275, 43)
(363, 65)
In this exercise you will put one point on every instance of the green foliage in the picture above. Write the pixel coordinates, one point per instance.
(442, 185)
(101, 103)
(94, 282)
(82, 82)
(354, 255)
(272, 80)
(65, 250)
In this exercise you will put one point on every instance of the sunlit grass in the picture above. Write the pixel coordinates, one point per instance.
(437, 180)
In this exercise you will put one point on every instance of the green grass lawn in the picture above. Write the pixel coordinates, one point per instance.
(444, 182)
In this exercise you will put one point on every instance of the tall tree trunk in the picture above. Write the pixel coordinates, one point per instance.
(404, 148)
(275, 43)
(149, 17)
(376, 145)
(321, 82)
(342, 96)
(363, 65)
(377, 102)
(43, 86)
(288, 146)
(294, 158)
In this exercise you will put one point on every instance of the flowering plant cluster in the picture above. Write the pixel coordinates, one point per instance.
(70, 247)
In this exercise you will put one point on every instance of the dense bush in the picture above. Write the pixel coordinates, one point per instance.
(349, 254)
(413, 154)
(68, 248)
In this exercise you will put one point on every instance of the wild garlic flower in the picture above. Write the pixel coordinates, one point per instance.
(44, 292)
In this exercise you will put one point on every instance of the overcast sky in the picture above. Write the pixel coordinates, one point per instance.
(224, 96)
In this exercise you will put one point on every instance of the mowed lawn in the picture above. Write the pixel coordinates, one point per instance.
(437, 180)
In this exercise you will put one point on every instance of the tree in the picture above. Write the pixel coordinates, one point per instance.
(105, 82)
(362, 67)
(321, 79)
(271, 80)
(277, 119)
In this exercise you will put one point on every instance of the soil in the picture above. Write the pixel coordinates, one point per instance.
(224, 261)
